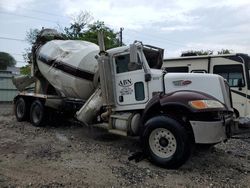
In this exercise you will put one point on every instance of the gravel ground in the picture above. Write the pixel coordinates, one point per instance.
(75, 156)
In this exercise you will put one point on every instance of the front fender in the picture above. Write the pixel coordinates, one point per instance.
(177, 100)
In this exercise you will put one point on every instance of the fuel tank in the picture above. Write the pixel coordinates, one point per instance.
(70, 66)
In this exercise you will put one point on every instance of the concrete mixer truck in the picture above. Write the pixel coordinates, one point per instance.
(125, 91)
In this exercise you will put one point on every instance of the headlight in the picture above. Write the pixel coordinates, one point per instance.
(205, 104)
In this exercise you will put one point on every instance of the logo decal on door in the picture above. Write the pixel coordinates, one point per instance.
(125, 83)
(126, 91)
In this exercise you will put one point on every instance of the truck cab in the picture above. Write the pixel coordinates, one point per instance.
(136, 76)
(167, 110)
(135, 81)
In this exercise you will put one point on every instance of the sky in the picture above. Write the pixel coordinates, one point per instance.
(174, 25)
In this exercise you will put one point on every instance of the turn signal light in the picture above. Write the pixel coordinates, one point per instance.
(204, 104)
(198, 104)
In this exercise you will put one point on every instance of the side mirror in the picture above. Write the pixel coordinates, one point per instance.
(240, 84)
(133, 53)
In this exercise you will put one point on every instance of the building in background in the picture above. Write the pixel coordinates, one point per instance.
(7, 90)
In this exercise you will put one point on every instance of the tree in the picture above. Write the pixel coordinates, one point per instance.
(77, 28)
(6, 60)
(224, 51)
(204, 52)
(110, 37)
(31, 36)
(25, 70)
(80, 29)
(197, 53)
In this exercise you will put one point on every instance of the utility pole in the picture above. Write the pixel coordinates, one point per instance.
(120, 34)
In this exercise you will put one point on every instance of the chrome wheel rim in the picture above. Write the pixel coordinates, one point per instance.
(162, 143)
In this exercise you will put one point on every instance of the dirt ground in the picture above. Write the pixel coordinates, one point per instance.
(76, 156)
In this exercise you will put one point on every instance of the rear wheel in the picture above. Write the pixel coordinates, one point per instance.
(166, 142)
(37, 114)
(21, 109)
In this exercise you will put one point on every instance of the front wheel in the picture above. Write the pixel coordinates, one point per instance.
(166, 142)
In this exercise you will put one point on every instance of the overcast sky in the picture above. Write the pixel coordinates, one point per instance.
(175, 25)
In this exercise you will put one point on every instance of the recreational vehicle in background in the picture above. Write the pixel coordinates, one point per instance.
(233, 67)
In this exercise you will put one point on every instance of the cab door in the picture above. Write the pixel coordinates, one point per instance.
(131, 89)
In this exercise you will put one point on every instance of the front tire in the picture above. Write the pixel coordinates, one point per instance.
(37, 114)
(166, 142)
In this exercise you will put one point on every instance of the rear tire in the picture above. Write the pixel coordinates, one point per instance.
(166, 142)
(21, 109)
(37, 114)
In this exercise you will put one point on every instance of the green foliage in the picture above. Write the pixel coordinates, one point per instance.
(110, 37)
(25, 70)
(27, 55)
(204, 52)
(6, 60)
(80, 29)
(197, 53)
(224, 51)
(78, 26)
(31, 36)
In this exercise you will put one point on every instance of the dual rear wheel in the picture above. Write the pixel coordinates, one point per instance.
(34, 112)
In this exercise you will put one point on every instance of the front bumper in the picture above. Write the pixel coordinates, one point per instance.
(211, 132)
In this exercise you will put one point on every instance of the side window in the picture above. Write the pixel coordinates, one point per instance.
(199, 71)
(139, 91)
(232, 73)
(177, 69)
(123, 64)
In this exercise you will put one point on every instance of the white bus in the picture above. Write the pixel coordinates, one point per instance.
(233, 67)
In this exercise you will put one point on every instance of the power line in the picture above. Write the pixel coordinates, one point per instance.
(8, 38)
(30, 17)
